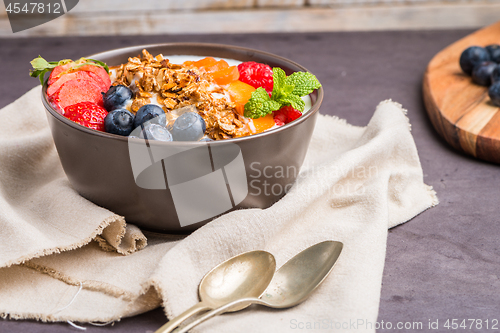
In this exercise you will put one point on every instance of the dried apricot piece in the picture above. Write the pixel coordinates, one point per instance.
(263, 123)
(226, 75)
(218, 66)
(205, 62)
(240, 93)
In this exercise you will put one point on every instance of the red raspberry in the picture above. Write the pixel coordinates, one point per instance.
(257, 75)
(285, 115)
(87, 114)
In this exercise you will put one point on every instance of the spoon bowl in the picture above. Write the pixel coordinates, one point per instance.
(245, 275)
(292, 283)
(301, 275)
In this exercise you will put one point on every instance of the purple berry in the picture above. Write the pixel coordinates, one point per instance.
(473, 56)
(119, 121)
(494, 93)
(116, 97)
(149, 112)
(494, 51)
(495, 75)
(481, 74)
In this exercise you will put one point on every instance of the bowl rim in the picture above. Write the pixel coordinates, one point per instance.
(314, 105)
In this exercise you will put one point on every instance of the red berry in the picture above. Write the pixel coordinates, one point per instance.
(285, 115)
(257, 75)
(55, 85)
(99, 71)
(54, 75)
(87, 114)
(75, 91)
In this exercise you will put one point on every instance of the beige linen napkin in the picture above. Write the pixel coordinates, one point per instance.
(356, 183)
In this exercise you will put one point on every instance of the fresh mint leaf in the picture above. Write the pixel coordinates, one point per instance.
(260, 104)
(279, 77)
(287, 89)
(295, 101)
(304, 83)
(270, 106)
(260, 95)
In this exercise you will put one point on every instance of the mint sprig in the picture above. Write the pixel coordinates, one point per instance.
(260, 104)
(42, 66)
(287, 90)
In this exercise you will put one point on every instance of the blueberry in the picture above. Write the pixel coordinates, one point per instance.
(155, 132)
(481, 74)
(495, 75)
(148, 112)
(494, 51)
(190, 126)
(119, 122)
(116, 97)
(471, 57)
(494, 93)
(176, 113)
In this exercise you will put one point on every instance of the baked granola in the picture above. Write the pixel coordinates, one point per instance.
(172, 86)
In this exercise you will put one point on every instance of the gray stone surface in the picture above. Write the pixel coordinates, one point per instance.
(444, 263)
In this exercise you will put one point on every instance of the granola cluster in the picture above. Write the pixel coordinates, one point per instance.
(172, 86)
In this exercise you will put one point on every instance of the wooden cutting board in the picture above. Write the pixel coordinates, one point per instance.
(460, 110)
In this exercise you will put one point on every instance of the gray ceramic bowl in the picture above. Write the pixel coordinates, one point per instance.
(256, 170)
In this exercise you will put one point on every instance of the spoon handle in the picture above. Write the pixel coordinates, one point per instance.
(172, 324)
(218, 311)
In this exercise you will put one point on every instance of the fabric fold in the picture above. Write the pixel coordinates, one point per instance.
(40, 213)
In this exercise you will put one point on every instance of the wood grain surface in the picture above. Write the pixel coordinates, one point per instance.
(106, 18)
(460, 110)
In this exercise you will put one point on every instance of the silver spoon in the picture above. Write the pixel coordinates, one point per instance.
(292, 283)
(245, 275)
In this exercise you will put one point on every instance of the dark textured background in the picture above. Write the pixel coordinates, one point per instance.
(442, 264)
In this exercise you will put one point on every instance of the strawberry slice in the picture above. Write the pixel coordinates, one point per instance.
(54, 75)
(63, 70)
(87, 114)
(99, 71)
(285, 115)
(76, 91)
(76, 75)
